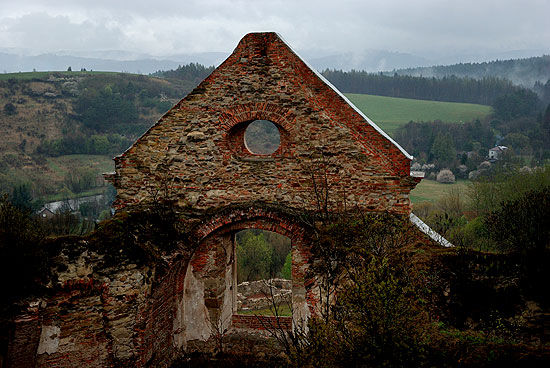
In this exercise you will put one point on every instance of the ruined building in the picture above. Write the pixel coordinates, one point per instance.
(196, 159)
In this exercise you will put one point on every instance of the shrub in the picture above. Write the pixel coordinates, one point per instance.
(10, 109)
(523, 224)
(375, 318)
(446, 176)
(21, 253)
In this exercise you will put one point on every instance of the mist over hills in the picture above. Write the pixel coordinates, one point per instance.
(21, 59)
(524, 72)
(369, 60)
(12, 61)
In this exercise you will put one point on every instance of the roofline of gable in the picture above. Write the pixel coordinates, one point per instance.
(434, 235)
(326, 81)
(321, 77)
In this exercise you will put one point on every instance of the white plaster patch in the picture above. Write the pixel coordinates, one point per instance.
(227, 310)
(300, 311)
(179, 325)
(49, 339)
(196, 321)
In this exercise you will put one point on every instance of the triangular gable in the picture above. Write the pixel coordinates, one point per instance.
(371, 138)
(199, 144)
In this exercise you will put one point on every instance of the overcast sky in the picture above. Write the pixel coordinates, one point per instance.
(165, 27)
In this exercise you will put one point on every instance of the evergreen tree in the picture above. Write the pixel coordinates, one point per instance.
(21, 198)
(545, 127)
(443, 149)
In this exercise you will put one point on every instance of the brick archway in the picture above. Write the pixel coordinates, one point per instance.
(257, 215)
(211, 271)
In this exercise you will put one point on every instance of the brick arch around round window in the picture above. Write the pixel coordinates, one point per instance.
(236, 119)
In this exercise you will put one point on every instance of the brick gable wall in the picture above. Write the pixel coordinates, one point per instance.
(197, 150)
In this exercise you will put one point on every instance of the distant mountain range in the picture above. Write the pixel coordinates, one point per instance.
(21, 59)
(114, 61)
(371, 61)
(524, 72)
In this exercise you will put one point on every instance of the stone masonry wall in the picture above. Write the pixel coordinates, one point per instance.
(133, 312)
(196, 151)
(135, 301)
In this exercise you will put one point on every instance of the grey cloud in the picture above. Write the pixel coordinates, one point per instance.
(168, 26)
(44, 32)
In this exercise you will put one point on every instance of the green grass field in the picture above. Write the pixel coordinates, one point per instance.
(284, 310)
(431, 190)
(389, 112)
(101, 163)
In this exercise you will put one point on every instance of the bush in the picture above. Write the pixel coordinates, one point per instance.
(523, 224)
(22, 255)
(375, 316)
(446, 176)
(10, 109)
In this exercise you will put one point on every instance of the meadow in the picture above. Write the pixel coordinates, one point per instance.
(431, 190)
(389, 113)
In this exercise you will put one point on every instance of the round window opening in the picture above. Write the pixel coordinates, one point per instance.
(262, 137)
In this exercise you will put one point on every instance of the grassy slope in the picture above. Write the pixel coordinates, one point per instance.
(389, 112)
(284, 310)
(431, 190)
(38, 117)
(42, 75)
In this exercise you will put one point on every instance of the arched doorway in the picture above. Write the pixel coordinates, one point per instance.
(208, 304)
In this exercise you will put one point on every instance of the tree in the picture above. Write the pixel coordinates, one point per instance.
(80, 179)
(69, 69)
(516, 104)
(545, 127)
(21, 198)
(253, 257)
(523, 224)
(443, 149)
(21, 254)
(102, 110)
(10, 109)
(445, 176)
(286, 272)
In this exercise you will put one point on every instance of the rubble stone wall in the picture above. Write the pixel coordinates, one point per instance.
(196, 151)
(128, 313)
(147, 311)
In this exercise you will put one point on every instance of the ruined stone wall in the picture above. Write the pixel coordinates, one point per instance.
(260, 294)
(263, 217)
(110, 306)
(197, 153)
(132, 300)
(85, 319)
(262, 322)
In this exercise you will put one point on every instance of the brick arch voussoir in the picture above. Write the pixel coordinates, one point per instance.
(251, 217)
(283, 117)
